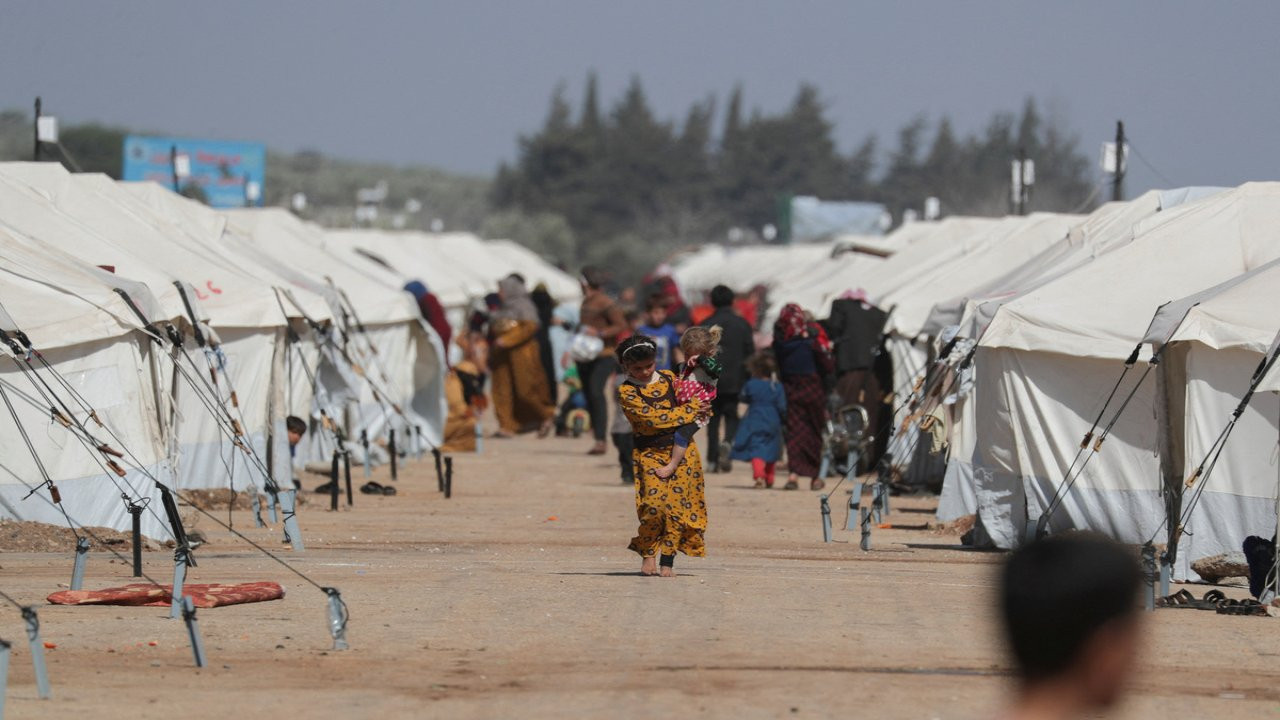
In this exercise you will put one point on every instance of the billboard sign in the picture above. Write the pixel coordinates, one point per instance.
(230, 174)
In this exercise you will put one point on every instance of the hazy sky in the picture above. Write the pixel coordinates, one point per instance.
(452, 84)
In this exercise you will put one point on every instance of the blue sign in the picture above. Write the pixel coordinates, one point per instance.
(231, 174)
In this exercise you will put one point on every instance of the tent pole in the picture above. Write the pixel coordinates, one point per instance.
(37, 651)
(77, 571)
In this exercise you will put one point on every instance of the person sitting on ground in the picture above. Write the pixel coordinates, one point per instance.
(1070, 609)
(697, 379)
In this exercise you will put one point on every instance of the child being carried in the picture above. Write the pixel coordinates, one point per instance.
(696, 377)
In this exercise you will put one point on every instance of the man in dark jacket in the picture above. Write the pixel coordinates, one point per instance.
(736, 346)
(856, 328)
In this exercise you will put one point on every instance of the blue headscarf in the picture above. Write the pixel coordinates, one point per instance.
(416, 287)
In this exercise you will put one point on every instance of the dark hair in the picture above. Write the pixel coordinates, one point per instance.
(655, 300)
(721, 296)
(296, 424)
(1057, 593)
(762, 364)
(594, 277)
(637, 348)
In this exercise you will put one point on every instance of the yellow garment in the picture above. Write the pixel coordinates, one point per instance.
(521, 398)
(672, 512)
(460, 425)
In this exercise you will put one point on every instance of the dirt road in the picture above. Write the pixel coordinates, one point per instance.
(517, 598)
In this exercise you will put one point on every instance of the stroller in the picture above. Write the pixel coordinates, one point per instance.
(845, 439)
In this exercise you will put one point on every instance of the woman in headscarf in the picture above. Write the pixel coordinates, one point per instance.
(546, 306)
(432, 311)
(804, 357)
(521, 400)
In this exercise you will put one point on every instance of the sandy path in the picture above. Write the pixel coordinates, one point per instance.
(482, 607)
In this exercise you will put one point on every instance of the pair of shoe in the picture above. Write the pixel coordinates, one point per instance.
(762, 483)
(373, 488)
(326, 488)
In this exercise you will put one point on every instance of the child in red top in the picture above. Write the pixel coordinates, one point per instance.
(697, 377)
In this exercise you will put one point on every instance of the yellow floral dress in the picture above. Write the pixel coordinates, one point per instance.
(672, 512)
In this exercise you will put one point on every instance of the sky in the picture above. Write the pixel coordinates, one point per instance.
(452, 84)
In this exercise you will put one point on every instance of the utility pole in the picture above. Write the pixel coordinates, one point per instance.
(1022, 177)
(173, 166)
(1117, 188)
(35, 128)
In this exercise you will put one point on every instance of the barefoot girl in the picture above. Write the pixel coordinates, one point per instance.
(672, 511)
(696, 379)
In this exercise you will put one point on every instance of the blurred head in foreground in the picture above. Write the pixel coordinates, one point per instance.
(1070, 609)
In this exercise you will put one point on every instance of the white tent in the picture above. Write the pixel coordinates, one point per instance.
(933, 300)
(1048, 360)
(249, 326)
(562, 286)
(90, 337)
(400, 358)
(1105, 229)
(1212, 344)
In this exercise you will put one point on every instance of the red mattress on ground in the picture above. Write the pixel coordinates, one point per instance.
(202, 596)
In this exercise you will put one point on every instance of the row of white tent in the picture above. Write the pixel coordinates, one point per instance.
(1048, 308)
(182, 337)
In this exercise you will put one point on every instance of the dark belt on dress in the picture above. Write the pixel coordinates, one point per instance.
(647, 442)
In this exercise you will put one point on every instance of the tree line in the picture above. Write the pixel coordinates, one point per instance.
(597, 186)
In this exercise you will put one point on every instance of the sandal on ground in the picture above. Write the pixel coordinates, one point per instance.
(1247, 606)
(502, 435)
(373, 488)
(1180, 599)
(760, 483)
(791, 485)
(546, 428)
(388, 490)
(816, 484)
(597, 449)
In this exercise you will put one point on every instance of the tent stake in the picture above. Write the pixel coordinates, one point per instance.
(864, 515)
(193, 631)
(180, 561)
(37, 650)
(337, 618)
(368, 462)
(346, 472)
(391, 447)
(1149, 576)
(82, 556)
(448, 478)
(825, 507)
(135, 512)
(292, 534)
(333, 483)
(5, 646)
(435, 452)
(855, 501)
(256, 503)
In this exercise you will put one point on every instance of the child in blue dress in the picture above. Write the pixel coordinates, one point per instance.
(759, 437)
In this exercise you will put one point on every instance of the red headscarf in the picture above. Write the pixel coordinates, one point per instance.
(791, 323)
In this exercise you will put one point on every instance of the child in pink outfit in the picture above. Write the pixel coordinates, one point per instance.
(696, 378)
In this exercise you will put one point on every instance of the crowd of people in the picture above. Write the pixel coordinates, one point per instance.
(552, 368)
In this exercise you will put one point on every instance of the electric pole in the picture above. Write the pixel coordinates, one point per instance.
(35, 127)
(1117, 188)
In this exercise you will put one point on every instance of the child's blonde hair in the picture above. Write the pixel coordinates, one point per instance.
(703, 341)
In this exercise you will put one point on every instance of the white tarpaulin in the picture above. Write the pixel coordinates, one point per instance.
(1050, 358)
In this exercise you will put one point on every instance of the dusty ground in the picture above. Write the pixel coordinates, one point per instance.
(516, 598)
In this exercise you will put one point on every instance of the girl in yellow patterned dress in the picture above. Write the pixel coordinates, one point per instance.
(672, 511)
